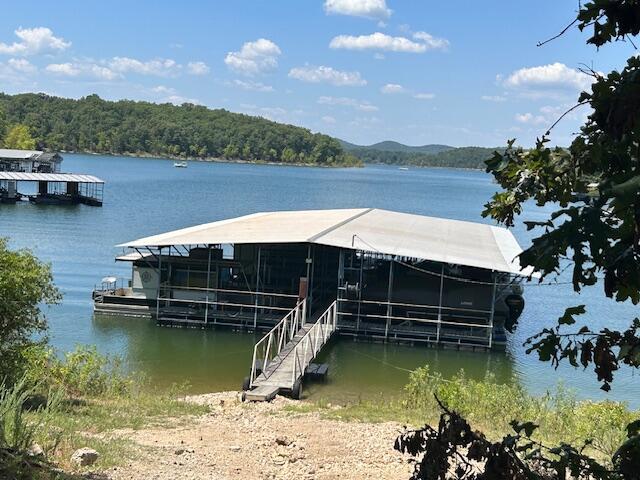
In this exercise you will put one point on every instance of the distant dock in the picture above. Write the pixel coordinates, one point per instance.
(53, 186)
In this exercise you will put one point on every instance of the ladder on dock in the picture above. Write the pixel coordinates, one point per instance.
(282, 356)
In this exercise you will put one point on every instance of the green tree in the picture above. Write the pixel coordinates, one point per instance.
(25, 285)
(95, 125)
(3, 126)
(20, 138)
(597, 236)
(288, 155)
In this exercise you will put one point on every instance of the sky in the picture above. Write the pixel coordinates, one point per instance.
(415, 71)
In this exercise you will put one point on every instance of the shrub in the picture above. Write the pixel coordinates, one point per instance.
(82, 372)
(493, 406)
(17, 431)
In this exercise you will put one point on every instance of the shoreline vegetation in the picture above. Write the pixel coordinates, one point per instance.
(92, 125)
(428, 156)
(86, 400)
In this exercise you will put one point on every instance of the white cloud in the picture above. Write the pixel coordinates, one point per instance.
(377, 41)
(18, 71)
(34, 41)
(103, 73)
(164, 90)
(197, 68)
(322, 74)
(549, 114)
(555, 76)
(254, 57)
(530, 118)
(374, 9)
(431, 42)
(329, 119)
(392, 88)
(158, 67)
(493, 98)
(21, 65)
(178, 100)
(396, 89)
(80, 69)
(382, 41)
(255, 86)
(271, 113)
(164, 94)
(65, 69)
(92, 70)
(363, 106)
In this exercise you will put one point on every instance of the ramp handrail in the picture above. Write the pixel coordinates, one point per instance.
(313, 341)
(269, 347)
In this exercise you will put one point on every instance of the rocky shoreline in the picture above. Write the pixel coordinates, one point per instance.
(262, 441)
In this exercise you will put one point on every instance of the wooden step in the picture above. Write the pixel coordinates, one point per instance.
(263, 393)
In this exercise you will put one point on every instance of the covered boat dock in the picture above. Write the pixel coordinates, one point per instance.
(305, 276)
(394, 276)
(52, 188)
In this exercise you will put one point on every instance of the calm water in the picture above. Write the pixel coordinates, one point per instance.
(148, 196)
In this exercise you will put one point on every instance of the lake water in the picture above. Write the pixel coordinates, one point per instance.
(148, 196)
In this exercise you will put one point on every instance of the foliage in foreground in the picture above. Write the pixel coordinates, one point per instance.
(25, 285)
(92, 124)
(455, 450)
(82, 372)
(18, 433)
(598, 236)
(63, 404)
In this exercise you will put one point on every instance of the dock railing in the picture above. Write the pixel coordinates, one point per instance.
(268, 348)
(313, 341)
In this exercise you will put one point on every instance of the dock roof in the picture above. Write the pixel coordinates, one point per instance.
(49, 177)
(369, 229)
(18, 154)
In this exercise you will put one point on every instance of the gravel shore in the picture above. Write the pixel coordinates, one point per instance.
(263, 441)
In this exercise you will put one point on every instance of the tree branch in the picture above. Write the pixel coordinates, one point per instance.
(564, 30)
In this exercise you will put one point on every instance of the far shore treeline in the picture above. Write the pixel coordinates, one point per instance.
(94, 125)
(126, 127)
(426, 156)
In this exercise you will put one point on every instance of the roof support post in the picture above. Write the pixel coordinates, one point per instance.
(389, 294)
(440, 304)
(255, 309)
(360, 290)
(159, 284)
(308, 261)
(493, 307)
(206, 304)
(341, 287)
(313, 270)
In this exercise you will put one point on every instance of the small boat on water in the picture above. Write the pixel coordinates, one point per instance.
(180, 164)
(403, 168)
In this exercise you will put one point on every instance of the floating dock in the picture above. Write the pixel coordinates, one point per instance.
(306, 276)
(53, 187)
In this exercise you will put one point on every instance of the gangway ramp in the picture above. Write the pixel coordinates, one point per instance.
(282, 356)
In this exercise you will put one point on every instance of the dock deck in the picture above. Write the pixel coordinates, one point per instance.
(287, 351)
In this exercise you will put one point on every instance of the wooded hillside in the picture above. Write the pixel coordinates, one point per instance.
(92, 124)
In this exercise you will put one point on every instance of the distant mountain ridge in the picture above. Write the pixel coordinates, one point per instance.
(392, 146)
(433, 155)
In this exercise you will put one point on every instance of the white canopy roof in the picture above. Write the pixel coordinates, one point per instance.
(18, 154)
(49, 177)
(391, 233)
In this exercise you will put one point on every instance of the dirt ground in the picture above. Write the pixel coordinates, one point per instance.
(263, 441)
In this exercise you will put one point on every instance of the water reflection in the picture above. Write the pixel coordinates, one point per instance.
(218, 359)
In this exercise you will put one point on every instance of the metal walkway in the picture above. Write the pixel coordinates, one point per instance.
(282, 356)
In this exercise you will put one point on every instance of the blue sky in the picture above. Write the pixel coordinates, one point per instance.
(421, 71)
